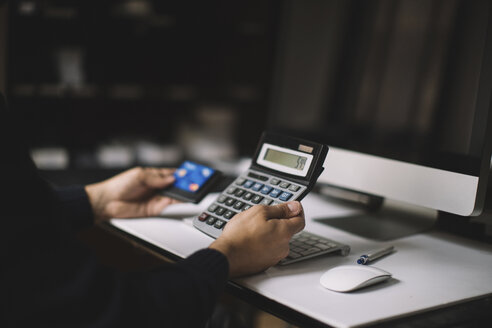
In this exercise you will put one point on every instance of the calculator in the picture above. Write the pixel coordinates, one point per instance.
(283, 169)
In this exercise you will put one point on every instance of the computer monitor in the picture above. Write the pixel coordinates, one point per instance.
(400, 90)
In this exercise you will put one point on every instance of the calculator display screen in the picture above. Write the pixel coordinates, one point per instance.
(284, 159)
(293, 161)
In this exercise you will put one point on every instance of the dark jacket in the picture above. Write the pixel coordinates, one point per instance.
(49, 279)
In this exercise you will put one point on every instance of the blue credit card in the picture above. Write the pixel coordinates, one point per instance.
(191, 176)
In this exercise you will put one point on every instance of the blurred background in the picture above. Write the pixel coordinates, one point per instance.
(106, 85)
(103, 85)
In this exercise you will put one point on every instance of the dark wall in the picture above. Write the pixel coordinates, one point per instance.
(81, 72)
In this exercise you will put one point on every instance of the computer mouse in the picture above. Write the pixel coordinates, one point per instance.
(347, 278)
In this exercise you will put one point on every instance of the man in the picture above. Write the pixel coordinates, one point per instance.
(49, 279)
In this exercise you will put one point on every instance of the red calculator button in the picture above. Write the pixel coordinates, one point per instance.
(203, 217)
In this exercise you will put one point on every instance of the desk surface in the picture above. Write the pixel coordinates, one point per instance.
(430, 270)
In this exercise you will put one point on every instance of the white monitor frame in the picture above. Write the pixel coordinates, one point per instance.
(415, 184)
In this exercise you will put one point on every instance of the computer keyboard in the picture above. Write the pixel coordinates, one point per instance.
(305, 245)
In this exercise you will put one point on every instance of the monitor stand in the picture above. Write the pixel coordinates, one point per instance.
(472, 227)
(385, 220)
(388, 220)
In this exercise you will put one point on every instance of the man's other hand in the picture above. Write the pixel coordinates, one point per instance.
(130, 194)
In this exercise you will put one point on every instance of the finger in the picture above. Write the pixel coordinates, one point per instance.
(295, 224)
(163, 172)
(152, 207)
(156, 178)
(282, 211)
(121, 209)
(157, 204)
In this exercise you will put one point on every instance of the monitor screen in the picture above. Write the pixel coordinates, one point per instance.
(406, 81)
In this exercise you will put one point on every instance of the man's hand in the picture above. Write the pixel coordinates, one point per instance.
(259, 237)
(131, 194)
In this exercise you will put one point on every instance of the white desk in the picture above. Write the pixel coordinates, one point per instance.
(430, 270)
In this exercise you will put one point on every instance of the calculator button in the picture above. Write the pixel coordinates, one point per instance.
(247, 207)
(294, 188)
(239, 192)
(203, 217)
(219, 224)
(274, 181)
(211, 220)
(257, 176)
(220, 211)
(257, 186)
(212, 208)
(221, 199)
(275, 193)
(266, 201)
(240, 181)
(248, 184)
(257, 199)
(285, 196)
(239, 205)
(229, 214)
(231, 190)
(248, 195)
(265, 190)
(230, 201)
(284, 185)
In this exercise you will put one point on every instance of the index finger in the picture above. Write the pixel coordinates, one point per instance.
(157, 177)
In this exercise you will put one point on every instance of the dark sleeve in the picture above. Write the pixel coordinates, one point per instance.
(178, 295)
(37, 221)
(72, 204)
(175, 295)
(34, 216)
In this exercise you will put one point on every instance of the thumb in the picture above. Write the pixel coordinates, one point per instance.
(283, 211)
(158, 203)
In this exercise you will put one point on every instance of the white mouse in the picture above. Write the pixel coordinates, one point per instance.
(347, 278)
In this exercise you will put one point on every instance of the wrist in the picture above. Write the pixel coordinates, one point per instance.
(96, 199)
(227, 251)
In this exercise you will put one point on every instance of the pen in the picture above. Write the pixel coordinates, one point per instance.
(371, 256)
